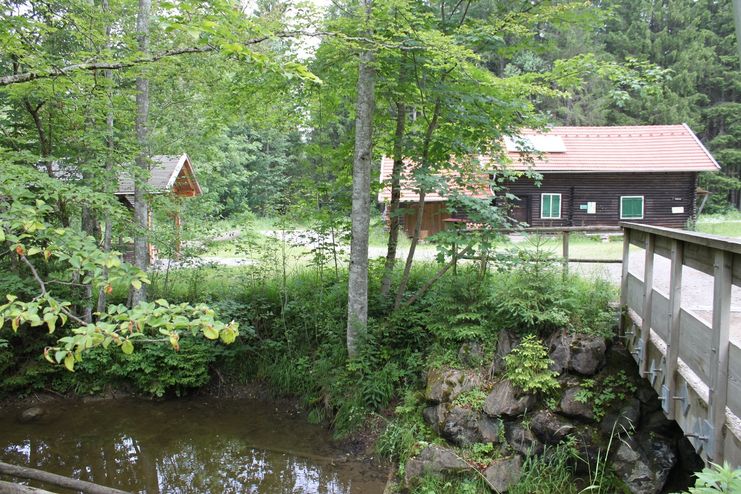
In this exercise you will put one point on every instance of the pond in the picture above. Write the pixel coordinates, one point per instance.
(185, 446)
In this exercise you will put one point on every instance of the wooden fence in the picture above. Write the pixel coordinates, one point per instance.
(693, 366)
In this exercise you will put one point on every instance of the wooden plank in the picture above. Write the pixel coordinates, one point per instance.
(734, 380)
(675, 309)
(635, 294)
(694, 344)
(659, 313)
(648, 291)
(704, 239)
(720, 348)
(565, 249)
(638, 238)
(624, 283)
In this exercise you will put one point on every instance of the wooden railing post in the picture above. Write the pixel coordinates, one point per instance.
(565, 239)
(675, 310)
(648, 294)
(722, 266)
(624, 283)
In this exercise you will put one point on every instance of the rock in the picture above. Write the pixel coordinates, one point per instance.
(31, 414)
(657, 423)
(434, 416)
(504, 473)
(522, 440)
(572, 408)
(626, 419)
(639, 470)
(506, 342)
(504, 399)
(549, 427)
(446, 384)
(648, 398)
(661, 453)
(471, 354)
(581, 353)
(590, 449)
(490, 430)
(433, 460)
(461, 427)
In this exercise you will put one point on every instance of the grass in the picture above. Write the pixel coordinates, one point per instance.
(727, 225)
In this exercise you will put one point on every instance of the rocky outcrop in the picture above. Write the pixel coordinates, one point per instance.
(444, 385)
(644, 467)
(580, 353)
(505, 399)
(503, 473)
(522, 440)
(624, 420)
(572, 407)
(505, 343)
(461, 427)
(435, 416)
(471, 354)
(549, 427)
(433, 460)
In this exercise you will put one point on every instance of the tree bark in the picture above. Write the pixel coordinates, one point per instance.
(357, 290)
(54, 479)
(431, 127)
(141, 210)
(394, 220)
(111, 178)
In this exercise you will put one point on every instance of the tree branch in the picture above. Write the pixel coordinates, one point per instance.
(18, 78)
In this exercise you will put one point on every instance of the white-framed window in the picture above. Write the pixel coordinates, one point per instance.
(550, 206)
(631, 207)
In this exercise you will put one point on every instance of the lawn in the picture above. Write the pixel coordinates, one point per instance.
(727, 225)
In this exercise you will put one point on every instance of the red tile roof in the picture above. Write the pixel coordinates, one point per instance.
(640, 148)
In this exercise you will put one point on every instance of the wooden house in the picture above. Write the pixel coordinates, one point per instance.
(169, 174)
(590, 176)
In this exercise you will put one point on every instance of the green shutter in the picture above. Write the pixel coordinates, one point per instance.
(555, 206)
(546, 206)
(632, 207)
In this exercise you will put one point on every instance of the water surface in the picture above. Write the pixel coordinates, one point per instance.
(185, 446)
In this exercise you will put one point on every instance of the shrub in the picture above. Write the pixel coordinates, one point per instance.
(527, 366)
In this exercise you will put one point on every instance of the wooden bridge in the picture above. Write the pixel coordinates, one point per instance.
(691, 361)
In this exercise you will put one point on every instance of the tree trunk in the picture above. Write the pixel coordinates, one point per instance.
(394, 219)
(141, 210)
(111, 178)
(420, 207)
(357, 290)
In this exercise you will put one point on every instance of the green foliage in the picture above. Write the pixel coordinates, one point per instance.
(717, 478)
(473, 399)
(532, 295)
(527, 366)
(605, 391)
(548, 473)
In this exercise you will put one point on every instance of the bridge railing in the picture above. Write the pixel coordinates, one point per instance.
(692, 364)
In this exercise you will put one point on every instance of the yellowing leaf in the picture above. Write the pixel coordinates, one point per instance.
(210, 332)
(127, 347)
(136, 284)
(69, 362)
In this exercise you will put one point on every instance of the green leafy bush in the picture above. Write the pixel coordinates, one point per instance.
(527, 366)
(717, 478)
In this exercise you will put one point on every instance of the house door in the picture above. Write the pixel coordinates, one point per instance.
(521, 209)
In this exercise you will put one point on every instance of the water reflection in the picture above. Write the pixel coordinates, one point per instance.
(185, 447)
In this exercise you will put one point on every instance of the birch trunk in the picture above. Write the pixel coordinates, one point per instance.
(357, 290)
(141, 249)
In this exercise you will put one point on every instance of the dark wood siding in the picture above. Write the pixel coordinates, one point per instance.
(432, 218)
(661, 193)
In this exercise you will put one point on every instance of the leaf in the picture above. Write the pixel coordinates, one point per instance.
(211, 333)
(127, 347)
(33, 251)
(136, 284)
(2, 235)
(162, 302)
(51, 321)
(175, 341)
(69, 362)
(228, 335)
